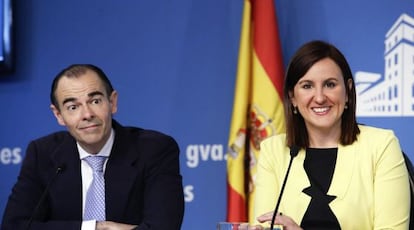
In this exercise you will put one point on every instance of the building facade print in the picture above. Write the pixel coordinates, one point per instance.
(393, 94)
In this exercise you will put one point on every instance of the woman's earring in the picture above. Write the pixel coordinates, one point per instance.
(295, 110)
(346, 105)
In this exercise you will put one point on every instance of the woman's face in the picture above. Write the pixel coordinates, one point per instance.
(320, 96)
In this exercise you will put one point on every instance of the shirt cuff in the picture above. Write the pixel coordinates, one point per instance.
(88, 225)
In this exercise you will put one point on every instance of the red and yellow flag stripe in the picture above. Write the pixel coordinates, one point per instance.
(257, 108)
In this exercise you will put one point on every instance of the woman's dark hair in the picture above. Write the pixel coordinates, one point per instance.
(304, 58)
(77, 70)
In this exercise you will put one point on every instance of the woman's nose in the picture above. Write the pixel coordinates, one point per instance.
(320, 96)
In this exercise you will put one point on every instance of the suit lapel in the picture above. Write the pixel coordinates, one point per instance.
(68, 189)
(120, 173)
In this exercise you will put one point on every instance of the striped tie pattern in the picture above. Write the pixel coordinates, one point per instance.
(95, 197)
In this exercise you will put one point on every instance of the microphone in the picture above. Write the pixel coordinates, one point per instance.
(294, 150)
(59, 169)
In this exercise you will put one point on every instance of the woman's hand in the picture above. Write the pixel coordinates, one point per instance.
(285, 221)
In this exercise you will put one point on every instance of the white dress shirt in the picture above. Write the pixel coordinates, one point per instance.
(87, 174)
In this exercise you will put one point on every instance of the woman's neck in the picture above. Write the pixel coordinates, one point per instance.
(319, 138)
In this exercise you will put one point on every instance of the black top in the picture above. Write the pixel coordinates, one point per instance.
(319, 166)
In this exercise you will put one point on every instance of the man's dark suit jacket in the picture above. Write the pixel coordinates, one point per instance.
(143, 184)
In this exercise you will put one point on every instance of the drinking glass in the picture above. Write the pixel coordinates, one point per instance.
(232, 226)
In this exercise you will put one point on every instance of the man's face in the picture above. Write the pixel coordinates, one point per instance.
(85, 109)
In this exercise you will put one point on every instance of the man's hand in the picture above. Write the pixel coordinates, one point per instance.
(109, 225)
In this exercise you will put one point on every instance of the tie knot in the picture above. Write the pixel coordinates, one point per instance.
(96, 162)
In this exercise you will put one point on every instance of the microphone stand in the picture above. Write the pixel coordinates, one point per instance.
(42, 197)
(294, 150)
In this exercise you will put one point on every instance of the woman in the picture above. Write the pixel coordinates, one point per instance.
(345, 176)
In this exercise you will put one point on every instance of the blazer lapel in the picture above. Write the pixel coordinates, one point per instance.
(344, 170)
(67, 189)
(298, 179)
(120, 173)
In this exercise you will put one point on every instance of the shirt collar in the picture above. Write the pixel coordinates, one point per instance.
(105, 151)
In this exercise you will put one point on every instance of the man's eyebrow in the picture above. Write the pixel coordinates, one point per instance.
(92, 94)
(70, 99)
(95, 93)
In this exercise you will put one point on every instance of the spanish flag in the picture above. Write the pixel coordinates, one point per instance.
(257, 108)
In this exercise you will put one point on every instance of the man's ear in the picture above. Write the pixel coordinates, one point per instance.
(113, 101)
(58, 115)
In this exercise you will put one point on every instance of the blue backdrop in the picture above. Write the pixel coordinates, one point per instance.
(174, 63)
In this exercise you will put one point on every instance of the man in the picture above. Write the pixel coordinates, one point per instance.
(142, 182)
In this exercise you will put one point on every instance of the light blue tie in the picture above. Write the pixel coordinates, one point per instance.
(95, 197)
